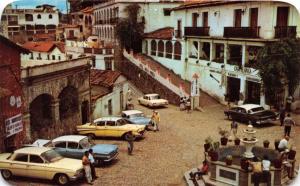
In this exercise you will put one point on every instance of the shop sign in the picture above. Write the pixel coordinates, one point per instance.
(13, 125)
(232, 75)
(253, 79)
(194, 86)
(216, 71)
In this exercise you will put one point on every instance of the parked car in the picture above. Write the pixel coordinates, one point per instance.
(136, 117)
(40, 162)
(152, 100)
(251, 114)
(74, 146)
(111, 127)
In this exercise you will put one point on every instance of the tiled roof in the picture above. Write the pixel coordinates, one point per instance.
(44, 46)
(87, 10)
(163, 33)
(105, 78)
(203, 3)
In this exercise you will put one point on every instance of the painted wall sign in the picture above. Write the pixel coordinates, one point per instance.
(13, 125)
(232, 75)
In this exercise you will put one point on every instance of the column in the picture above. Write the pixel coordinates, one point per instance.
(199, 50)
(164, 48)
(55, 110)
(243, 54)
(225, 53)
(27, 126)
(156, 49)
(211, 50)
(173, 49)
(242, 90)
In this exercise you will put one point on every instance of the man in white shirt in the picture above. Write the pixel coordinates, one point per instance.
(283, 144)
(266, 163)
(92, 164)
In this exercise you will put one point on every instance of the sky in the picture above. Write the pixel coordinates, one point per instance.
(60, 4)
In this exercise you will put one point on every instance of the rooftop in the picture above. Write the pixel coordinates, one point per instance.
(163, 33)
(105, 78)
(44, 46)
(69, 138)
(33, 150)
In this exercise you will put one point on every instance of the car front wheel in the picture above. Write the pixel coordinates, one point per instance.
(62, 179)
(6, 174)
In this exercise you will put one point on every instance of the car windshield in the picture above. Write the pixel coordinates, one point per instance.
(155, 97)
(51, 156)
(136, 115)
(257, 109)
(84, 143)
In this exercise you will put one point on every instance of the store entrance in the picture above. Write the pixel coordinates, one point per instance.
(253, 92)
(233, 89)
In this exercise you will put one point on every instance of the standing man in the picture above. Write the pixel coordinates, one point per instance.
(188, 105)
(87, 168)
(155, 120)
(234, 127)
(281, 114)
(289, 101)
(266, 164)
(130, 139)
(92, 164)
(288, 122)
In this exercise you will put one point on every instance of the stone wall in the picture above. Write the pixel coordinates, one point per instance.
(145, 82)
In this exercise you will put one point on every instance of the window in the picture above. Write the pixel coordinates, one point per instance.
(39, 16)
(195, 19)
(50, 16)
(153, 47)
(72, 145)
(21, 157)
(39, 57)
(59, 58)
(31, 56)
(48, 57)
(110, 123)
(62, 144)
(100, 123)
(167, 11)
(35, 159)
(28, 17)
(161, 48)
(205, 19)
(108, 65)
(177, 51)
(169, 49)
(53, 57)
(237, 17)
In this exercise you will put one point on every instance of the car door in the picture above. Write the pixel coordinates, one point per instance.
(100, 128)
(110, 128)
(243, 115)
(73, 151)
(36, 167)
(145, 100)
(19, 164)
(61, 147)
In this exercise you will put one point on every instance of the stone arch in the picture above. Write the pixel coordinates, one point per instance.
(68, 102)
(177, 50)
(41, 115)
(153, 47)
(169, 49)
(161, 48)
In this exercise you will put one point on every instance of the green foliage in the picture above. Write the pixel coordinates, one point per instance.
(129, 31)
(279, 66)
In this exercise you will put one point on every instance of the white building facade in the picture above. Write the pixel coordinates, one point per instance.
(219, 41)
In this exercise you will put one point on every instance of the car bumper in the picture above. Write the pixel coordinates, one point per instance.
(270, 120)
(111, 157)
(78, 176)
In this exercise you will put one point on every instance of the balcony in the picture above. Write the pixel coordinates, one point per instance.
(12, 23)
(196, 31)
(241, 32)
(285, 31)
(178, 33)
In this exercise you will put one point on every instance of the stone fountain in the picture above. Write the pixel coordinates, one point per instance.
(249, 141)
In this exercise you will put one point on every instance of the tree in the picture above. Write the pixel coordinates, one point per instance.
(279, 67)
(129, 31)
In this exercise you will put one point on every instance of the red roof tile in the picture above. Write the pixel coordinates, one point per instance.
(105, 78)
(87, 10)
(4, 92)
(44, 46)
(203, 3)
(163, 33)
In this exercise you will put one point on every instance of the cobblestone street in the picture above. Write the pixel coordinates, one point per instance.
(163, 157)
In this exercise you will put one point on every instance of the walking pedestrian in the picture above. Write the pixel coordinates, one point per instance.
(281, 114)
(130, 139)
(188, 105)
(266, 164)
(289, 101)
(155, 118)
(234, 127)
(87, 167)
(288, 122)
(92, 164)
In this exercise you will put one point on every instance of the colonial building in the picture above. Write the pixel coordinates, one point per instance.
(25, 24)
(109, 89)
(84, 19)
(219, 41)
(43, 53)
(12, 129)
(106, 15)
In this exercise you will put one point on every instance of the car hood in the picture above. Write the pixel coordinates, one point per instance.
(140, 120)
(88, 125)
(4, 156)
(67, 163)
(104, 148)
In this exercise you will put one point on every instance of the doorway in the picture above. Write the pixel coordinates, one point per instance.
(253, 92)
(233, 89)
(85, 112)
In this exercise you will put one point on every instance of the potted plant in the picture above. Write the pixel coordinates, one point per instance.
(228, 160)
(292, 153)
(244, 164)
(213, 153)
(277, 163)
(276, 143)
(224, 136)
(208, 143)
(266, 143)
(237, 141)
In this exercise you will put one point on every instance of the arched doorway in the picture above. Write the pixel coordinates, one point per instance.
(68, 102)
(177, 51)
(40, 116)
(85, 112)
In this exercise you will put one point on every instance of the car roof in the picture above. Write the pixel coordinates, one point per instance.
(32, 150)
(153, 94)
(73, 138)
(114, 118)
(249, 106)
(129, 112)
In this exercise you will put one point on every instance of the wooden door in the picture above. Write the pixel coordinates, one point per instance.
(253, 17)
(282, 16)
(195, 19)
(205, 19)
(238, 17)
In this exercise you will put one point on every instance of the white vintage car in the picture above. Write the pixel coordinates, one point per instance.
(152, 100)
(40, 162)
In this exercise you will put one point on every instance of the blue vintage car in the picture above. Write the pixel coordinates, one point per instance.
(74, 146)
(136, 117)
